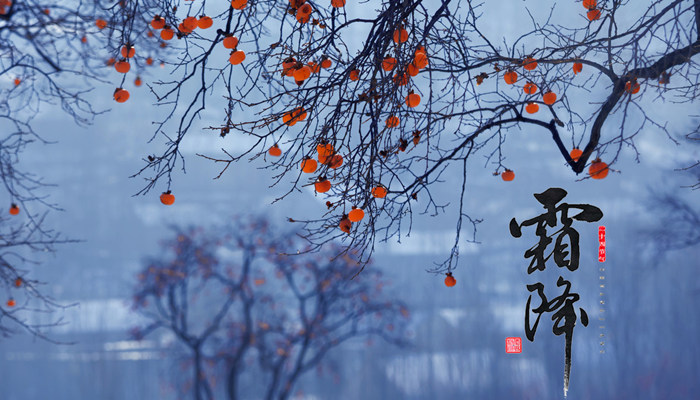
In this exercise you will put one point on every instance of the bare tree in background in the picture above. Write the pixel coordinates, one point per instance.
(236, 301)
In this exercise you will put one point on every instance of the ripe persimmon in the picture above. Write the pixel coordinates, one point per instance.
(632, 86)
(303, 73)
(593, 14)
(167, 33)
(356, 214)
(589, 4)
(335, 161)
(230, 42)
(598, 169)
(14, 209)
(326, 63)
(508, 175)
(413, 99)
(532, 108)
(239, 4)
(275, 151)
(400, 35)
(529, 64)
(338, 3)
(578, 67)
(101, 24)
(510, 77)
(204, 22)
(549, 98)
(122, 66)
(237, 57)
(190, 23)
(167, 198)
(354, 75)
(121, 95)
(137, 81)
(576, 154)
(322, 185)
(388, 63)
(392, 121)
(345, 225)
(450, 280)
(530, 88)
(379, 192)
(157, 22)
(308, 165)
(420, 60)
(11, 303)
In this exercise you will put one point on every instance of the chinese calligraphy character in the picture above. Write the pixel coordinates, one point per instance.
(562, 306)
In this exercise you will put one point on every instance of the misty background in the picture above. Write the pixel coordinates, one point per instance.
(649, 345)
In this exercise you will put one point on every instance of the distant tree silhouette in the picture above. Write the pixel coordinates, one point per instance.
(235, 299)
(337, 82)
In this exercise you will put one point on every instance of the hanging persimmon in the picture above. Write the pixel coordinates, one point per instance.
(420, 60)
(598, 169)
(18, 282)
(17, 81)
(325, 151)
(576, 154)
(632, 86)
(304, 13)
(11, 303)
(532, 108)
(400, 35)
(183, 29)
(379, 192)
(303, 73)
(322, 185)
(326, 63)
(167, 33)
(593, 14)
(356, 214)
(413, 99)
(237, 57)
(315, 68)
(335, 161)
(549, 98)
(230, 42)
(338, 3)
(388, 63)
(190, 23)
(137, 81)
(308, 165)
(392, 121)
(101, 24)
(578, 67)
(167, 198)
(508, 175)
(14, 209)
(510, 77)
(121, 95)
(412, 70)
(345, 224)
(239, 4)
(589, 4)
(288, 66)
(156, 23)
(529, 64)
(354, 75)
(275, 151)
(122, 66)
(149, 61)
(296, 3)
(450, 280)
(204, 22)
(530, 88)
